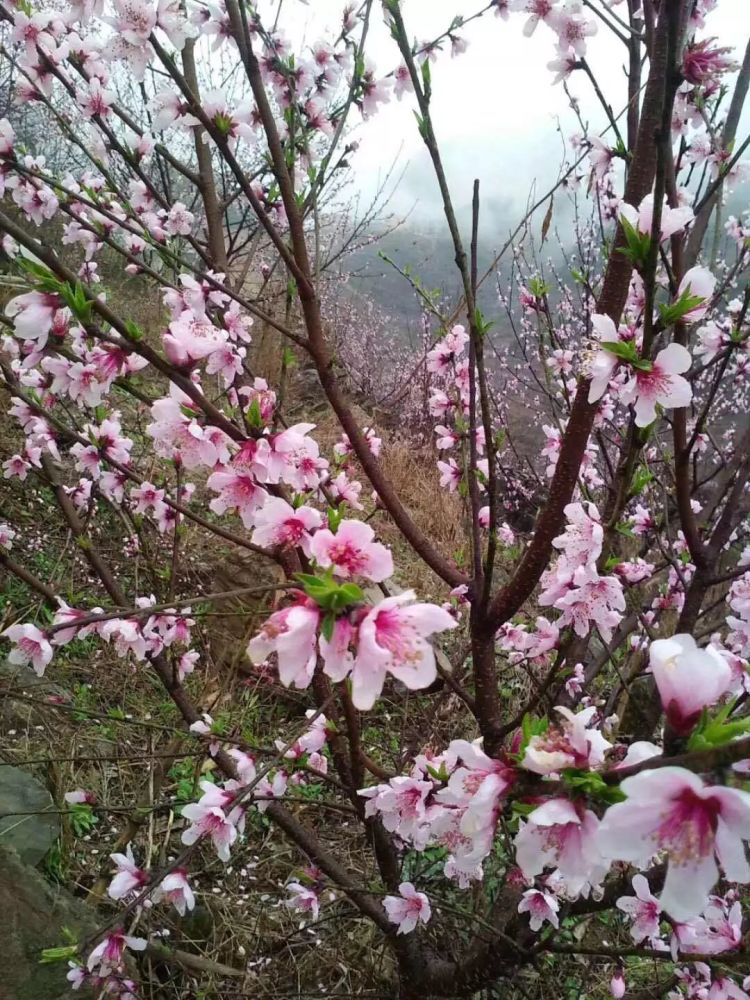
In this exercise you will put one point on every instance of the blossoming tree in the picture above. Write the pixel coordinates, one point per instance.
(201, 150)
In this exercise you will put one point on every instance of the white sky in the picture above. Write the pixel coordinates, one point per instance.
(495, 110)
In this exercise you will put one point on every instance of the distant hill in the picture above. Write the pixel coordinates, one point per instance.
(428, 258)
(427, 255)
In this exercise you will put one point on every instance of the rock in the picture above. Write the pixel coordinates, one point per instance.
(34, 914)
(30, 835)
(16, 712)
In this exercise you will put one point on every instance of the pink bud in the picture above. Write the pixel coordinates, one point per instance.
(617, 985)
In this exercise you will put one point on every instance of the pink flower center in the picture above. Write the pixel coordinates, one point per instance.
(291, 531)
(214, 823)
(473, 781)
(540, 8)
(273, 629)
(558, 835)
(574, 30)
(410, 802)
(556, 741)
(244, 488)
(29, 647)
(395, 635)
(246, 455)
(113, 951)
(689, 827)
(654, 383)
(350, 558)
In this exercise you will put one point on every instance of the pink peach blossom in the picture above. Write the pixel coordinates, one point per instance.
(30, 646)
(644, 909)
(673, 811)
(351, 551)
(393, 639)
(278, 524)
(291, 634)
(129, 877)
(663, 384)
(176, 889)
(408, 908)
(541, 907)
(688, 678)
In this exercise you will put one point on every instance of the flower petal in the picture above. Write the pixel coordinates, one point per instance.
(687, 888)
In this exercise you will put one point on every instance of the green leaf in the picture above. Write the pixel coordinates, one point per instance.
(327, 626)
(577, 276)
(641, 479)
(253, 414)
(62, 953)
(673, 312)
(643, 364)
(523, 808)
(719, 729)
(134, 331)
(623, 349)
(426, 76)
(328, 593)
(530, 727)
(482, 325)
(223, 123)
(352, 593)
(638, 244)
(335, 517)
(537, 287)
(45, 280)
(77, 301)
(421, 125)
(592, 784)
(619, 149)
(438, 775)
(82, 818)
(313, 584)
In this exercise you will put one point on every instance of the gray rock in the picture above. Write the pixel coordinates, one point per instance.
(32, 917)
(30, 835)
(17, 682)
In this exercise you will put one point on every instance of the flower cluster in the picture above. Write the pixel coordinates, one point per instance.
(573, 585)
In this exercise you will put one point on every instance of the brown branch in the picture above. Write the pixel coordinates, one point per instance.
(28, 578)
(206, 182)
(695, 760)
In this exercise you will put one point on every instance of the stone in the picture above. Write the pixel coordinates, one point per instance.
(30, 835)
(17, 684)
(34, 914)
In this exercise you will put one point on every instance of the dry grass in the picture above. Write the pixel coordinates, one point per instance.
(439, 514)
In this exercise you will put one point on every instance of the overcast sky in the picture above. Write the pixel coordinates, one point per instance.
(496, 112)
